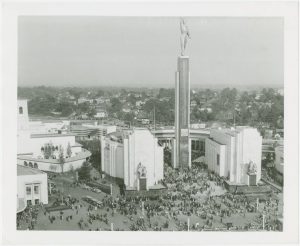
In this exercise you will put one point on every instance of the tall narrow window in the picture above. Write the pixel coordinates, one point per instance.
(36, 189)
(28, 190)
(20, 110)
(218, 159)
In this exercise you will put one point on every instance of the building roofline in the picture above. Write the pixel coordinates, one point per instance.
(45, 135)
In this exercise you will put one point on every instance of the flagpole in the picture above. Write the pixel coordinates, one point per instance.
(154, 120)
(234, 117)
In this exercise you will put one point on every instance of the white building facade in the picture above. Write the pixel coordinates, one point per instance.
(134, 156)
(235, 154)
(32, 187)
(41, 144)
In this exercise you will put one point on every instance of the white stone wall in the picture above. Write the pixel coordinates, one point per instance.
(212, 150)
(36, 143)
(144, 149)
(229, 142)
(53, 167)
(243, 145)
(23, 120)
(251, 150)
(122, 159)
(47, 127)
(76, 150)
(23, 142)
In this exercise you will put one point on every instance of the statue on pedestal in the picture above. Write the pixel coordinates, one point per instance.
(252, 168)
(185, 35)
(141, 170)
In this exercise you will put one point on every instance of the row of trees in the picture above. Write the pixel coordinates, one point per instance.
(246, 107)
(94, 147)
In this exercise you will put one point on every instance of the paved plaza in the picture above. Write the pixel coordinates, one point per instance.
(195, 200)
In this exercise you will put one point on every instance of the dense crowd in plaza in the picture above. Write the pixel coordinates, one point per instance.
(193, 200)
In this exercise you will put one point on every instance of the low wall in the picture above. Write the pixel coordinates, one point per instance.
(246, 189)
(106, 188)
(53, 165)
(145, 193)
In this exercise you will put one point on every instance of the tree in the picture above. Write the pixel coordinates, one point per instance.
(92, 112)
(65, 107)
(75, 92)
(42, 105)
(167, 156)
(83, 107)
(129, 117)
(84, 172)
(48, 150)
(116, 105)
(69, 150)
(61, 158)
(132, 99)
(100, 93)
(94, 147)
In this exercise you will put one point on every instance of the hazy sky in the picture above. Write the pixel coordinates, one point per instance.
(142, 51)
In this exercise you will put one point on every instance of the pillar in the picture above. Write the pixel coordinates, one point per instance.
(182, 150)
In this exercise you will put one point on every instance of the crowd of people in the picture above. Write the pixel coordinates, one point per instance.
(194, 200)
(27, 219)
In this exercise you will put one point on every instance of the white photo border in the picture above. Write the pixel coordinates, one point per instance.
(11, 11)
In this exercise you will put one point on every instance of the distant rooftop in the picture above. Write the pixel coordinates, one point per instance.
(46, 135)
(47, 120)
(234, 131)
(79, 127)
(22, 170)
(212, 139)
(120, 135)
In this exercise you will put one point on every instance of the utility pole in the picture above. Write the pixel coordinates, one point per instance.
(143, 209)
(234, 117)
(154, 120)
(111, 226)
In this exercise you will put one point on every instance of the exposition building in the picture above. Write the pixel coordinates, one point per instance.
(235, 154)
(134, 157)
(48, 146)
(32, 187)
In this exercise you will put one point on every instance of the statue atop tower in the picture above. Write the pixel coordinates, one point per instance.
(185, 35)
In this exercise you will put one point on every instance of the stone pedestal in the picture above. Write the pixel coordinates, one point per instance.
(182, 145)
(252, 179)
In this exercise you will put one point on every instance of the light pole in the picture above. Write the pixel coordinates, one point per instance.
(154, 119)
(111, 226)
(143, 209)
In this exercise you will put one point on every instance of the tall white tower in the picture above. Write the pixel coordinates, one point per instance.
(182, 146)
(23, 127)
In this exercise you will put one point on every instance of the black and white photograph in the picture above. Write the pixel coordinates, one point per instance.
(167, 123)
